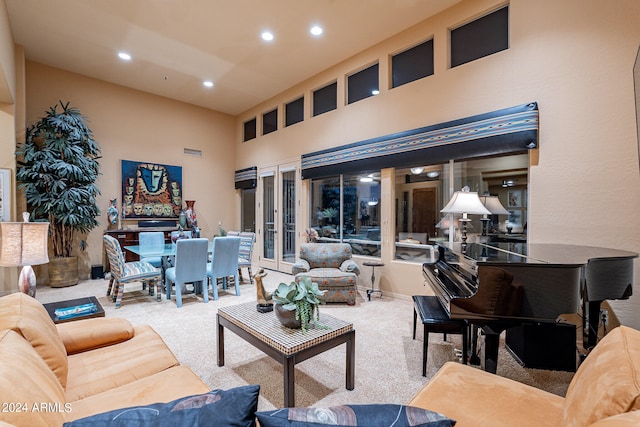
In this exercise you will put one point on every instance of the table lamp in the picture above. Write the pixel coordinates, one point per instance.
(24, 244)
(465, 202)
(495, 207)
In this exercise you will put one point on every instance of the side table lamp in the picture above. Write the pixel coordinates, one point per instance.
(492, 203)
(465, 202)
(24, 244)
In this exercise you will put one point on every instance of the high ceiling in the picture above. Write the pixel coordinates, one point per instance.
(177, 44)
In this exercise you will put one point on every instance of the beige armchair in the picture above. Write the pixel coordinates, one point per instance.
(331, 266)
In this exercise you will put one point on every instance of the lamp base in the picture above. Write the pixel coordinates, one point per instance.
(464, 221)
(27, 281)
(485, 225)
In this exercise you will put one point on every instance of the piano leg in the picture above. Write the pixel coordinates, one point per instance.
(491, 333)
(474, 359)
(591, 324)
(491, 343)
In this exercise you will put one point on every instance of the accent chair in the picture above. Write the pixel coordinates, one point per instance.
(331, 266)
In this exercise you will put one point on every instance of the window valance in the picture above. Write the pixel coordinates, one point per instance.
(246, 178)
(510, 130)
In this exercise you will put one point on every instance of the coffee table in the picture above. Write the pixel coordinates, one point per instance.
(287, 346)
(53, 306)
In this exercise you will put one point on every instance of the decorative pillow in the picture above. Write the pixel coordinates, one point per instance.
(233, 407)
(381, 415)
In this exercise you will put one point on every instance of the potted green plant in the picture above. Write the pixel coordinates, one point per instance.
(57, 171)
(297, 304)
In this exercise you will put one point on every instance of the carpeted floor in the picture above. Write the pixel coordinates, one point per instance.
(388, 361)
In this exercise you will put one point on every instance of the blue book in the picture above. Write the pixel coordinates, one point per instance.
(75, 311)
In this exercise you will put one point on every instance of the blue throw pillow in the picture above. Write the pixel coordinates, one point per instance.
(382, 415)
(234, 407)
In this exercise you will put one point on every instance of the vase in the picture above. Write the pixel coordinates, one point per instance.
(112, 213)
(287, 317)
(190, 214)
(182, 218)
(178, 235)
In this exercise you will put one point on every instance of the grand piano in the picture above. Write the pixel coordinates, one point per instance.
(555, 280)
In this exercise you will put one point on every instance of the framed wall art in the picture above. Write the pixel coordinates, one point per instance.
(514, 198)
(151, 190)
(5, 195)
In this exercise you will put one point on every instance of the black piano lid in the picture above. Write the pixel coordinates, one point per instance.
(504, 252)
(537, 253)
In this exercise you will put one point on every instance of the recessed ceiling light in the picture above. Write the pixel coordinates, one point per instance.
(208, 83)
(366, 179)
(316, 30)
(124, 56)
(267, 35)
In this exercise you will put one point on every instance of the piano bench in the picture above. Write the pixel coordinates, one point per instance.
(435, 319)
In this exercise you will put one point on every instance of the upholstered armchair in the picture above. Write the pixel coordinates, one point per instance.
(331, 266)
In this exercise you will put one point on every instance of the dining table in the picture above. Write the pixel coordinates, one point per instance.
(167, 253)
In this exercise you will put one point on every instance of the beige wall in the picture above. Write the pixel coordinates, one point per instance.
(7, 64)
(574, 57)
(133, 125)
(10, 59)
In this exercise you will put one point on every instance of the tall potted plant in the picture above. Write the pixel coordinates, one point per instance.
(57, 171)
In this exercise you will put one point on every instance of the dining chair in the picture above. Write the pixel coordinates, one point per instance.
(151, 242)
(224, 263)
(190, 267)
(175, 236)
(247, 239)
(127, 272)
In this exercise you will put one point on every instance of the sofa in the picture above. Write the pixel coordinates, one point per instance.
(86, 371)
(331, 266)
(604, 392)
(52, 374)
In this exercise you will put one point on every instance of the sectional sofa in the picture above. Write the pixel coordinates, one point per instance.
(85, 372)
(51, 374)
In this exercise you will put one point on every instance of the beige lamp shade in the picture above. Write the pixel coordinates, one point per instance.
(493, 204)
(23, 243)
(465, 202)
